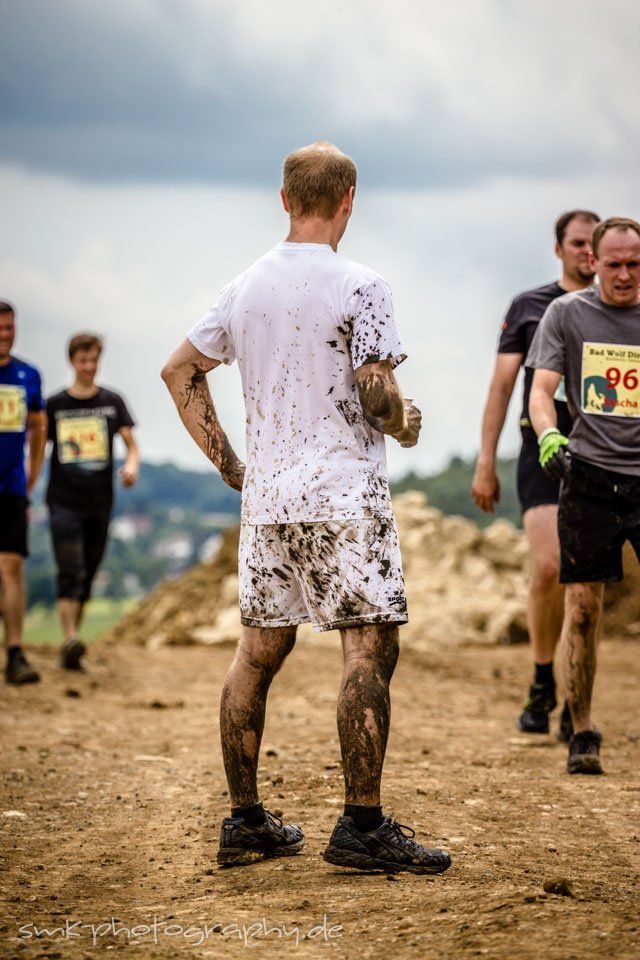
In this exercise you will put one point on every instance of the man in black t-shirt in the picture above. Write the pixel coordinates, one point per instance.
(83, 421)
(538, 493)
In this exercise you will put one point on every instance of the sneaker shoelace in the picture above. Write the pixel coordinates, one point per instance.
(406, 835)
(401, 828)
(274, 819)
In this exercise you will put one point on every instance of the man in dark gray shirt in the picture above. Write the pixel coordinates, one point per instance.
(592, 338)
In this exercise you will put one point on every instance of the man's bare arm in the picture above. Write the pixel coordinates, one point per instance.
(383, 404)
(485, 487)
(131, 467)
(542, 409)
(37, 440)
(185, 374)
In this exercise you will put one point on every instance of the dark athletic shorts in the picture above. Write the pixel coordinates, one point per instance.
(13, 524)
(599, 510)
(535, 488)
(78, 543)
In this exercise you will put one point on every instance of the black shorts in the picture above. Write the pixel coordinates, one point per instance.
(535, 488)
(599, 510)
(13, 524)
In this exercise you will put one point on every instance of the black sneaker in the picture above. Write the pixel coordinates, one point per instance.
(387, 847)
(584, 752)
(535, 716)
(72, 652)
(566, 725)
(19, 670)
(241, 843)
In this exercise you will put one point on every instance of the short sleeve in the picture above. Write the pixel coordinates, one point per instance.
(51, 423)
(374, 333)
(547, 349)
(124, 417)
(512, 333)
(211, 338)
(36, 400)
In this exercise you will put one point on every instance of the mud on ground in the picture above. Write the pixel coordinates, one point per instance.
(114, 785)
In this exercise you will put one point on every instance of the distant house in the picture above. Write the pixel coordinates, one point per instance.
(219, 521)
(129, 527)
(179, 546)
(209, 548)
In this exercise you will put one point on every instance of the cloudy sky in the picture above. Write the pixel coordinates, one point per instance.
(141, 144)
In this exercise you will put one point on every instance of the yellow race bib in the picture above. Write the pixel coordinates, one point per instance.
(13, 409)
(610, 379)
(82, 439)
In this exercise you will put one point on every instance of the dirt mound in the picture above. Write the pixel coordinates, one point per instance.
(622, 600)
(464, 585)
(176, 610)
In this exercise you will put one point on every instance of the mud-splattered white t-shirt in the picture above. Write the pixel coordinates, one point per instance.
(299, 322)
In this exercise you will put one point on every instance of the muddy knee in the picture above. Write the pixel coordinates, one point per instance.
(584, 606)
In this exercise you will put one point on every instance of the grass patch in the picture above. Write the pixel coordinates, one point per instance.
(42, 624)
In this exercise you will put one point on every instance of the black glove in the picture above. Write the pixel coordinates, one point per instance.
(557, 466)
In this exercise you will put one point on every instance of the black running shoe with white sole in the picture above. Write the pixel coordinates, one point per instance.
(241, 843)
(389, 847)
(584, 753)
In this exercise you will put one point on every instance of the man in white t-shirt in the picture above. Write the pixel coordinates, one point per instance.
(316, 343)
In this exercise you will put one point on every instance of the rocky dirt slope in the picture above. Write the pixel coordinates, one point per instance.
(464, 585)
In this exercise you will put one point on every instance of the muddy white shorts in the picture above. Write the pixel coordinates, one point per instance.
(334, 573)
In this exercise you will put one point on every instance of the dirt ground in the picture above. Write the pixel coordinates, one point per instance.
(113, 793)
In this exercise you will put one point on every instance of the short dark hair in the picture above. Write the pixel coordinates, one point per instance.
(563, 222)
(6, 307)
(84, 341)
(612, 223)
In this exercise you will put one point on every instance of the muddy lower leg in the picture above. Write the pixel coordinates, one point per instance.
(583, 615)
(258, 658)
(364, 709)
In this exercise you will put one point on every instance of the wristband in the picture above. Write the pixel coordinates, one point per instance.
(545, 433)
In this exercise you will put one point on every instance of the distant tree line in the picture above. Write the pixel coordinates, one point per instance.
(449, 491)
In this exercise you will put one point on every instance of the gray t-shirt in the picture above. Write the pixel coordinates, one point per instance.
(597, 349)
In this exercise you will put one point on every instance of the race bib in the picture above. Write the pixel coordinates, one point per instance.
(82, 439)
(13, 409)
(611, 379)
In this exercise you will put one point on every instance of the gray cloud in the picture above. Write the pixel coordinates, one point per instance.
(219, 91)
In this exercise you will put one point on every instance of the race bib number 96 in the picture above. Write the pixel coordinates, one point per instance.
(82, 439)
(13, 409)
(611, 379)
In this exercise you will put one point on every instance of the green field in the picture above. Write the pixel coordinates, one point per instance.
(42, 626)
